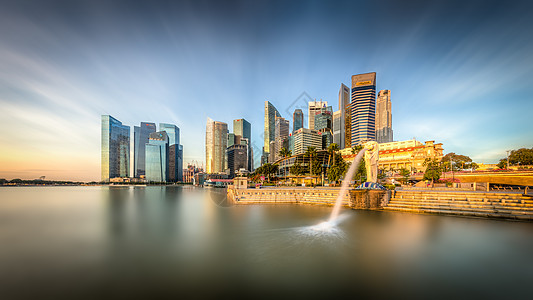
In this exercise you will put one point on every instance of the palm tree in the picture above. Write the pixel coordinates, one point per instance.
(310, 152)
(332, 149)
(284, 152)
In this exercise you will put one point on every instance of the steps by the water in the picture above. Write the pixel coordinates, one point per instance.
(476, 204)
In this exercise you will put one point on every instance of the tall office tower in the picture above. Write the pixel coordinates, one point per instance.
(140, 138)
(237, 157)
(157, 157)
(175, 155)
(304, 138)
(270, 124)
(363, 108)
(281, 135)
(313, 108)
(264, 156)
(348, 127)
(384, 117)
(297, 119)
(323, 118)
(344, 103)
(231, 139)
(115, 151)
(272, 153)
(337, 128)
(244, 129)
(216, 140)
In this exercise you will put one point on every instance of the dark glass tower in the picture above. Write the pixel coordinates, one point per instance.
(140, 139)
(115, 149)
(297, 119)
(175, 159)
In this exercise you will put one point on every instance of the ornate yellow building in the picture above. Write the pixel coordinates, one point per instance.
(408, 154)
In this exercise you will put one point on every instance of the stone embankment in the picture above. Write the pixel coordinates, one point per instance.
(465, 203)
(474, 204)
(358, 199)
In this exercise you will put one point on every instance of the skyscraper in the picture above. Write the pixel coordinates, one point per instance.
(363, 108)
(314, 106)
(270, 124)
(344, 103)
(384, 117)
(115, 149)
(237, 157)
(244, 129)
(140, 139)
(297, 119)
(175, 151)
(304, 138)
(157, 157)
(281, 135)
(215, 146)
(337, 128)
(323, 119)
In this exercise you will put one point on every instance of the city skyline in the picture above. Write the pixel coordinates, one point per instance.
(459, 72)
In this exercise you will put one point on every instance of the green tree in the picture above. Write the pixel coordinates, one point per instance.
(338, 169)
(297, 169)
(405, 175)
(357, 148)
(503, 163)
(433, 170)
(311, 154)
(521, 157)
(458, 161)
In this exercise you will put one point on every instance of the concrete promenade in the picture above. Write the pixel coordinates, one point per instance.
(449, 202)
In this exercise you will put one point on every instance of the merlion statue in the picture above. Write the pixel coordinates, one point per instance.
(371, 161)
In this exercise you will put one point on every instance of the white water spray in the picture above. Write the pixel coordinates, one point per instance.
(344, 187)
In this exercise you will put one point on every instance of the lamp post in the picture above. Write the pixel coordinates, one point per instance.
(508, 158)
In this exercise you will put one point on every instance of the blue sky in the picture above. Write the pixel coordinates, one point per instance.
(460, 72)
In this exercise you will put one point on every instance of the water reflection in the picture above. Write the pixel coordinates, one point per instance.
(145, 242)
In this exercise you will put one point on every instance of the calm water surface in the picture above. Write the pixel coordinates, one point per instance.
(151, 242)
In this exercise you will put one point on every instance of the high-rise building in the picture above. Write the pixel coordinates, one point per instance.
(323, 118)
(344, 103)
(304, 138)
(231, 139)
(175, 151)
(281, 135)
(244, 129)
(315, 106)
(273, 151)
(237, 157)
(270, 124)
(216, 140)
(115, 149)
(140, 139)
(337, 128)
(157, 157)
(363, 108)
(348, 127)
(297, 119)
(384, 117)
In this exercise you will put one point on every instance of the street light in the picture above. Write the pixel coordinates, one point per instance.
(508, 158)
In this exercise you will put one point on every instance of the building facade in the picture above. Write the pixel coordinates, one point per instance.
(314, 107)
(344, 104)
(157, 157)
(175, 151)
(297, 119)
(244, 129)
(384, 117)
(271, 113)
(304, 138)
(409, 154)
(237, 158)
(281, 135)
(363, 108)
(140, 139)
(216, 140)
(115, 149)
(337, 129)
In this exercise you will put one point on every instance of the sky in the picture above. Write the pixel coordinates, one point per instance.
(460, 72)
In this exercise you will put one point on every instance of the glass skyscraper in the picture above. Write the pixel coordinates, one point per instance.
(115, 149)
(140, 139)
(344, 108)
(384, 117)
(363, 108)
(270, 124)
(175, 154)
(157, 157)
(297, 119)
(243, 128)
(216, 141)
